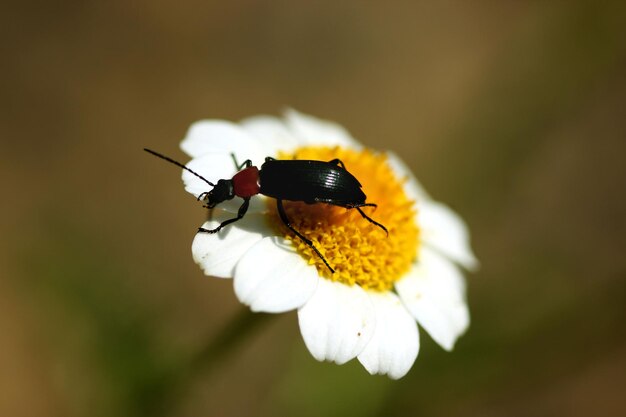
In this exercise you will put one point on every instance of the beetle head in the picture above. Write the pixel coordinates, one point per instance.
(221, 192)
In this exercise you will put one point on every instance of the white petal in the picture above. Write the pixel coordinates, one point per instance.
(213, 167)
(217, 254)
(444, 231)
(310, 130)
(271, 277)
(412, 187)
(394, 346)
(271, 133)
(219, 136)
(434, 293)
(337, 322)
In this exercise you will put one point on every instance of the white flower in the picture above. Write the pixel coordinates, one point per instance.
(382, 285)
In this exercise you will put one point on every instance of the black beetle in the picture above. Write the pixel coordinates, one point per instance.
(294, 180)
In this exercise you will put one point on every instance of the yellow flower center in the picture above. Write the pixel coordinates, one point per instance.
(359, 251)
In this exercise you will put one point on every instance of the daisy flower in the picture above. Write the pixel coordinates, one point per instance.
(382, 287)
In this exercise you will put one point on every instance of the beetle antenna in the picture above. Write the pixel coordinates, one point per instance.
(180, 165)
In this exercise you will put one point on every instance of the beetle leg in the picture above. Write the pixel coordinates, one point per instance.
(202, 195)
(242, 212)
(283, 217)
(339, 162)
(369, 205)
(368, 218)
(247, 163)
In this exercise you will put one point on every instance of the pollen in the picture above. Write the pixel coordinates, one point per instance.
(359, 251)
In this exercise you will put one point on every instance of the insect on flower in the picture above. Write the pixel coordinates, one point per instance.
(294, 180)
(369, 304)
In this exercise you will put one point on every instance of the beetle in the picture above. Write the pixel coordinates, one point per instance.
(308, 181)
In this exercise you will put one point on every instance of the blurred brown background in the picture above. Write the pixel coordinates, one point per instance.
(511, 112)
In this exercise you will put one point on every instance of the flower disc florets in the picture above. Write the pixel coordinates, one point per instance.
(360, 252)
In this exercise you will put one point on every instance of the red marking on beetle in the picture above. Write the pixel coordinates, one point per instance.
(246, 182)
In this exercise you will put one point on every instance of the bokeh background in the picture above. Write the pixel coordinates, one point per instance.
(513, 113)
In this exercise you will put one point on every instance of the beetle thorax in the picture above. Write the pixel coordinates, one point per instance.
(246, 182)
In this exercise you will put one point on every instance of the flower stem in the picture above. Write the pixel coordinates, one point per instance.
(205, 361)
(241, 326)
